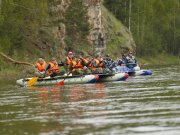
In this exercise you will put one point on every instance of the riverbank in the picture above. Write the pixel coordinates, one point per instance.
(14, 72)
(160, 60)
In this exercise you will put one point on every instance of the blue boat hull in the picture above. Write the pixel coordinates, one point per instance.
(133, 72)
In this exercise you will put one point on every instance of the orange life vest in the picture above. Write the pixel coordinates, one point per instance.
(100, 65)
(87, 61)
(76, 65)
(79, 65)
(53, 68)
(68, 61)
(40, 67)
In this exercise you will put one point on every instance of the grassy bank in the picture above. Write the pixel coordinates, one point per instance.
(159, 60)
(13, 72)
(9, 71)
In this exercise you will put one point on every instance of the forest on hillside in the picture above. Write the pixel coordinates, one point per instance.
(19, 24)
(27, 25)
(155, 24)
(36, 27)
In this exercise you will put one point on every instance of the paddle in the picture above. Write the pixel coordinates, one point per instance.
(32, 81)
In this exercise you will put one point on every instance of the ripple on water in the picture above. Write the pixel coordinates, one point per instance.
(147, 105)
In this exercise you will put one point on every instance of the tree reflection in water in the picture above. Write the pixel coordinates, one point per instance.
(70, 93)
(62, 106)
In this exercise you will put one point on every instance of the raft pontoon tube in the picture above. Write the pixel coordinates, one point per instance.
(133, 72)
(75, 79)
(114, 77)
(55, 80)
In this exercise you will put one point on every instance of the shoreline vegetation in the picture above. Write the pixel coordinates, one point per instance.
(11, 70)
(148, 28)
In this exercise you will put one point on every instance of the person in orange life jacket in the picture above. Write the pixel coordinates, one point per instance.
(52, 69)
(75, 67)
(40, 67)
(68, 60)
(97, 65)
(86, 62)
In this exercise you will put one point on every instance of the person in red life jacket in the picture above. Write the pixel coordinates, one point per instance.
(97, 65)
(52, 69)
(68, 60)
(40, 67)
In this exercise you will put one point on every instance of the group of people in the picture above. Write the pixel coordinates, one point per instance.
(79, 65)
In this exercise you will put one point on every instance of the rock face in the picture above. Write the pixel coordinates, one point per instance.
(102, 37)
(57, 9)
(97, 37)
(106, 31)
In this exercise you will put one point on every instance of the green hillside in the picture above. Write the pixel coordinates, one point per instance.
(119, 39)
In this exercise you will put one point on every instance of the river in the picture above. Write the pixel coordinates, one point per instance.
(142, 105)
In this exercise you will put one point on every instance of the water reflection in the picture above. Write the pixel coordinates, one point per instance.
(140, 105)
(60, 106)
(70, 93)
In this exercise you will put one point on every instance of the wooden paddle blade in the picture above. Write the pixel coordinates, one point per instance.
(60, 83)
(32, 81)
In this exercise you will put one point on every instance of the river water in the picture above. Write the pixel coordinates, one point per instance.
(142, 105)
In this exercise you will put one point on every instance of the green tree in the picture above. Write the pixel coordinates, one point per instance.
(20, 19)
(77, 26)
(155, 24)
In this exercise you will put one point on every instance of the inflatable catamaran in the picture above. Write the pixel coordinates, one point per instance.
(65, 80)
(133, 70)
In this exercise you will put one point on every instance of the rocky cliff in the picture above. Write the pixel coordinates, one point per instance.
(106, 33)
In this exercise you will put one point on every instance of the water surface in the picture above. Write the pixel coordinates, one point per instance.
(147, 105)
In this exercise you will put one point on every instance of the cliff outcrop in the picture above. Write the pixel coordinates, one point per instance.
(106, 34)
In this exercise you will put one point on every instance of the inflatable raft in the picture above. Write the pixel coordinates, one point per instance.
(135, 71)
(142, 72)
(65, 79)
(75, 79)
(113, 77)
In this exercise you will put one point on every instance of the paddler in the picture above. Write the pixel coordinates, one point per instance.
(97, 65)
(131, 60)
(68, 60)
(122, 61)
(87, 64)
(75, 67)
(52, 69)
(40, 67)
